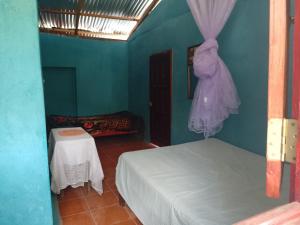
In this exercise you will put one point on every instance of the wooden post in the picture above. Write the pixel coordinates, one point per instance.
(295, 168)
(122, 202)
(278, 37)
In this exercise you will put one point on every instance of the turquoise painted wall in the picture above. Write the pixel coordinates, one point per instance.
(244, 48)
(24, 175)
(245, 44)
(101, 70)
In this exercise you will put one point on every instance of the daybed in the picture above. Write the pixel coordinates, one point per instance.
(206, 182)
(120, 123)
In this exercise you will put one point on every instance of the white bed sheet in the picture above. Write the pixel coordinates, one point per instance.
(206, 182)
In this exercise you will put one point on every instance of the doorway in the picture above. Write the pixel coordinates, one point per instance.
(60, 90)
(160, 98)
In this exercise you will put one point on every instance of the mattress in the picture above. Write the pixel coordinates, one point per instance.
(207, 182)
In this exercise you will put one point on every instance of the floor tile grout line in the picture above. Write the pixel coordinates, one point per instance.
(103, 207)
(130, 218)
(89, 209)
(107, 155)
(90, 212)
(93, 218)
(73, 214)
(71, 199)
(80, 197)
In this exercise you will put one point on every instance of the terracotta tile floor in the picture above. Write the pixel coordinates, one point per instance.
(78, 206)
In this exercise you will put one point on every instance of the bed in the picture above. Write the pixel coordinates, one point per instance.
(207, 182)
(120, 123)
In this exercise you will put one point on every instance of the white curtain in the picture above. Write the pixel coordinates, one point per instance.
(215, 97)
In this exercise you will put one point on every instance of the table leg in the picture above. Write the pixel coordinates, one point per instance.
(61, 195)
(89, 186)
(122, 201)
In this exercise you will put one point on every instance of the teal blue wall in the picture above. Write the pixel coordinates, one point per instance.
(24, 177)
(244, 48)
(101, 70)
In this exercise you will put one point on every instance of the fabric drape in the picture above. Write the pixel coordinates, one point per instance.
(215, 96)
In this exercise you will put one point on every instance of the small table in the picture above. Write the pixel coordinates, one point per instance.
(74, 160)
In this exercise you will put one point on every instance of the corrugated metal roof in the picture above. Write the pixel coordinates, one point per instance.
(121, 8)
(109, 19)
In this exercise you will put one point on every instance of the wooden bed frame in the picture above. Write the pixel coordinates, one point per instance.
(122, 202)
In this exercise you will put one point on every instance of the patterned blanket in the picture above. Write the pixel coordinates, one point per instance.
(100, 125)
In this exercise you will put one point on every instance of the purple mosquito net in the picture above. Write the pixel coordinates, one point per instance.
(215, 96)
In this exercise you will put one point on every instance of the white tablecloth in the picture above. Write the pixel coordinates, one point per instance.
(74, 160)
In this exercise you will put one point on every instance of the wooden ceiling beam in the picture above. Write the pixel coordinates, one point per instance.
(77, 16)
(57, 30)
(64, 11)
(81, 33)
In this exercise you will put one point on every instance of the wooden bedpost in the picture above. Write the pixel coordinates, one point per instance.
(278, 48)
(295, 168)
(122, 201)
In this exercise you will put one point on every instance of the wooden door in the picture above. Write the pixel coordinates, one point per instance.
(160, 98)
(60, 91)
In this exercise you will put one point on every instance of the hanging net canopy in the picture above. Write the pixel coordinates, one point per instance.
(215, 96)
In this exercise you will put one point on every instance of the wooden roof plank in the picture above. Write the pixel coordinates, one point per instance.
(98, 15)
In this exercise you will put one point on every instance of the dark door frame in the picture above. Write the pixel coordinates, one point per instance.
(169, 52)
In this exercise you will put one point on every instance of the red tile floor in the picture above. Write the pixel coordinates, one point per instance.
(78, 206)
